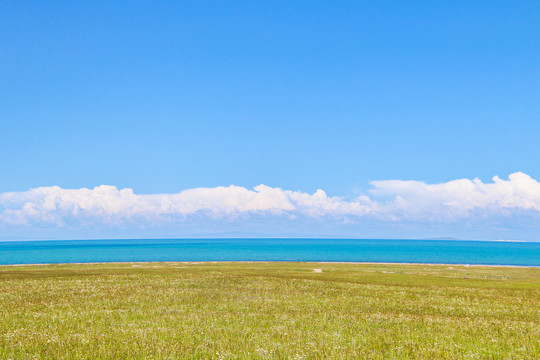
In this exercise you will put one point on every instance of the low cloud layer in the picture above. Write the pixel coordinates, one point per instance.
(388, 201)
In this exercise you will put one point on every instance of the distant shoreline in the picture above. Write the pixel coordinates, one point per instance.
(276, 238)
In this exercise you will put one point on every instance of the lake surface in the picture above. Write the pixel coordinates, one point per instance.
(348, 250)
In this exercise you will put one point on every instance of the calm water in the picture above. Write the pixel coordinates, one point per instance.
(417, 251)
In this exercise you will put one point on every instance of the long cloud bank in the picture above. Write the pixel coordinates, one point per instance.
(390, 200)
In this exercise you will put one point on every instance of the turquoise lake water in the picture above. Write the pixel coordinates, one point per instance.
(353, 250)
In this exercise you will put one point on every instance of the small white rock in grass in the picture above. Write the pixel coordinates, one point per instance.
(317, 270)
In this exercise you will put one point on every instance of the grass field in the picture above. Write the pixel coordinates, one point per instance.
(268, 310)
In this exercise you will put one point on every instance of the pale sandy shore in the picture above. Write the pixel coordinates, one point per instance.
(269, 262)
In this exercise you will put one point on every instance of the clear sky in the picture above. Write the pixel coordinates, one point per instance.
(161, 97)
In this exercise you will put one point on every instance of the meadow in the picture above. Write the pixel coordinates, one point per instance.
(268, 311)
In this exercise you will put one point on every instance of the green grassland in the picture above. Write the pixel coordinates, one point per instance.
(268, 310)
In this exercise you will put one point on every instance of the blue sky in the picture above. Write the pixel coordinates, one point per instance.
(297, 95)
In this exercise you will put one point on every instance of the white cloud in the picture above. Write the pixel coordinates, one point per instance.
(391, 200)
(456, 199)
